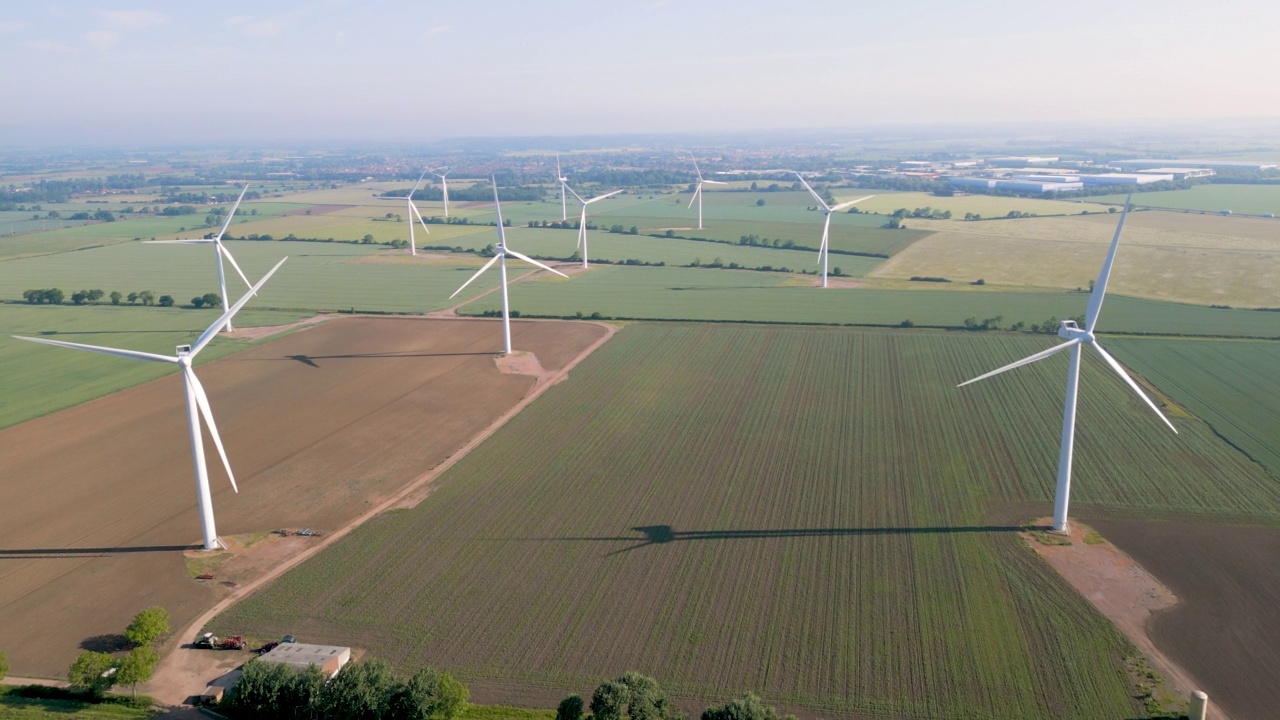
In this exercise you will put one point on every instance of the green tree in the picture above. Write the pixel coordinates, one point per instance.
(367, 239)
(428, 695)
(79, 297)
(115, 297)
(148, 626)
(165, 301)
(258, 692)
(4, 667)
(54, 296)
(747, 707)
(361, 691)
(137, 667)
(570, 708)
(147, 297)
(609, 700)
(197, 302)
(92, 672)
(211, 299)
(760, 202)
(645, 699)
(132, 298)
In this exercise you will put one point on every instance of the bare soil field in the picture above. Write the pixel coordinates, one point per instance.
(1163, 256)
(1226, 630)
(98, 502)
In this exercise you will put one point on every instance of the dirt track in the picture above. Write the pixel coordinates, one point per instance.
(320, 426)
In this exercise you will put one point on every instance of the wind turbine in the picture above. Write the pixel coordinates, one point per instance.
(824, 248)
(1075, 340)
(582, 224)
(219, 251)
(411, 211)
(501, 259)
(564, 184)
(444, 189)
(197, 402)
(697, 192)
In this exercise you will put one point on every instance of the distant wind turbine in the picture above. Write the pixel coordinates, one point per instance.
(824, 248)
(564, 184)
(582, 224)
(411, 211)
(697, 192)
(1075, 340)
(219, 251)
(197, 402)
(501, 259)
(444, 189)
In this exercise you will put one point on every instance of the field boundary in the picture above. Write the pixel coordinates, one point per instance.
(173, 683)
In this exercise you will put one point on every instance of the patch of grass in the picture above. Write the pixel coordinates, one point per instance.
(1091, 537)
(41, 703)
(503, 712)
(198, 564)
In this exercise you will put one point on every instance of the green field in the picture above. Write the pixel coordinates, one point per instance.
(818, 515)
(984, 205)
(1248, 199)
(1231, 385)
(740, 296)
(14, 706)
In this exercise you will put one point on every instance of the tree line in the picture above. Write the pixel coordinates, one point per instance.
(55, 296)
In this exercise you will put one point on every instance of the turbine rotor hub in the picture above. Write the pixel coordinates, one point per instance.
(1069, 330)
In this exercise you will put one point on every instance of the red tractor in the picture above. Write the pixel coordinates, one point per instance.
(235, 642)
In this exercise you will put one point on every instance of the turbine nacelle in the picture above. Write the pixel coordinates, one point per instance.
(1069, 330)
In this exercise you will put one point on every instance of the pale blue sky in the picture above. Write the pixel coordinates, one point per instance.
(141, 73)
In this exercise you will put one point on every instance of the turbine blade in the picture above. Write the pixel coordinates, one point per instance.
(531, 261)
(1025, 361)
(844, 205)
(571, 192)
(213, 329)
(420, 220)
(497, 208)
(189, 241)
(697, 191)
(131, 354)
(815, 195)
(202, 401)
(601, 197)
(227, 254)
(226, 224)
(417, 184)
(713, 182)
(826, 237)
(1115, 365)
(478, 274)
(1104, 275)
(697, 169)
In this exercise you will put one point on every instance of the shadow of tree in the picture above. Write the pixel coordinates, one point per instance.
(112, 642)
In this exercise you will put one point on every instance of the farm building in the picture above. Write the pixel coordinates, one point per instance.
(329, 658)
(1123, 178)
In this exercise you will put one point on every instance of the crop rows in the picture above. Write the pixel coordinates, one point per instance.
(802, 512)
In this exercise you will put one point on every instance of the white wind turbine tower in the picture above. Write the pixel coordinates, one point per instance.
(219, 251)
(824, 248)
(444, 189)
(697, 192)
(411, 211)
(501, 259)
(197, 402)
(564, 184)
(582, 224)
(1075, 340)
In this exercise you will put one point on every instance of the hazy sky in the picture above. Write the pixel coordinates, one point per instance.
(144, 73)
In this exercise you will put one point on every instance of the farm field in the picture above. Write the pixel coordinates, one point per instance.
(16, 707)
(333, 276)
(1231, 385)
(79, 562)
(1163, 256)
(1224, 630)
(816, 514)
(743, 296)
(984, 205)
(100, 233)
(1248, 199)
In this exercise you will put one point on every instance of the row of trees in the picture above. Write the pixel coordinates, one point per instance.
(637, 697)
(366, 690)
(94, 673)
(55, 296)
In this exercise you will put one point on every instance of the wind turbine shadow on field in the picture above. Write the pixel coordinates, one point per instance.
(311, 359)
(54, 553)
(663, 534)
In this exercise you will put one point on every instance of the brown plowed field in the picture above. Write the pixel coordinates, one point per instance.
(98, 501)
(1226, 630)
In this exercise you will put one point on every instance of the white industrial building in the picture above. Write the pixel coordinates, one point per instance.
(1180, 173)
(965, 181)
(1123, 179)
(1159, 163)
(329, 658)
(1017, 184)
(1020, 161)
